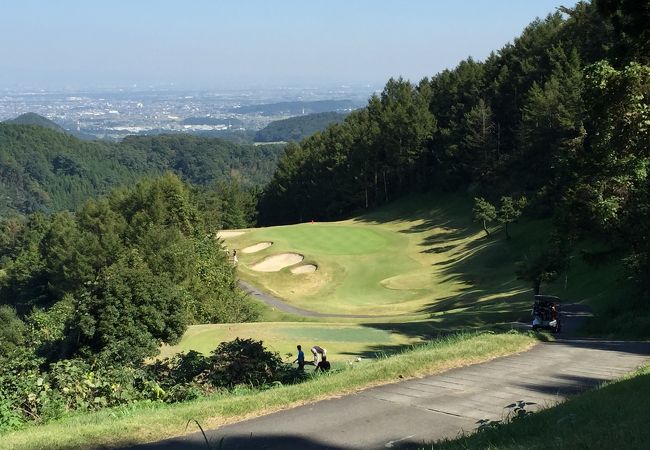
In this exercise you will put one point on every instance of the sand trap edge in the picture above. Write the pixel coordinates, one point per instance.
(257, 247)
(276, 263)
(225, 234)
(304, 268)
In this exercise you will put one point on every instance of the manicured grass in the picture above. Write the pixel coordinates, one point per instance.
(323, 239)
(342, 341)
(153, 421)
(614, 416)
(351, 267)
(418, 256)
(423, 259)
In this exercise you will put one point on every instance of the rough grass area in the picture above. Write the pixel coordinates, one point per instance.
(152, 421)
(614, 416)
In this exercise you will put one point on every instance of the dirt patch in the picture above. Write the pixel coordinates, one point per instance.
(225, 234)
(277, 262)
(305, 268)
(257, 247)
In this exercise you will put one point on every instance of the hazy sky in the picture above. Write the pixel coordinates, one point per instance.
(236, 43)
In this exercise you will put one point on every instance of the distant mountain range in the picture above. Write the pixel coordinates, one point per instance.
(297, 128)
(31, 118)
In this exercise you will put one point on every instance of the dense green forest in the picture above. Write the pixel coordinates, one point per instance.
(297, 128)
(560, 115)
(46, 170)
(96, 292)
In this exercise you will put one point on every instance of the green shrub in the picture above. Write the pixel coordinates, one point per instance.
(244, 361)
(10, 418)
(32, 391)
(23, 387)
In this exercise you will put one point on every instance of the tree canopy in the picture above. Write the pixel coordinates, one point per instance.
(559, 116)
(49, 171)
(123, 274)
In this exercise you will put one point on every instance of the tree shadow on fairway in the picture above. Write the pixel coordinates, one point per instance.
(444, 237)
(430, 210)
(379, 351)
(483, 273)
(500, 314)
(487, 294)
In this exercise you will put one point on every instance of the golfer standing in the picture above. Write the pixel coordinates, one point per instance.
(300, 359)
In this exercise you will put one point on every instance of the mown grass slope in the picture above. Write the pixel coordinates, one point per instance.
(421, 257)
(420, 265)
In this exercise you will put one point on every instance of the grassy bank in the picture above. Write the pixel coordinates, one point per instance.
(152, 421)
(614, 416)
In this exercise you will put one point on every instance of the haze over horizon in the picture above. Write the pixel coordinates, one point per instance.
(80, 45)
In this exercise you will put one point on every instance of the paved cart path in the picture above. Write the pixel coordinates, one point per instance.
(434, 407)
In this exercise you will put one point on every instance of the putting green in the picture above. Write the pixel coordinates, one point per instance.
(320, 239)
(352, 260)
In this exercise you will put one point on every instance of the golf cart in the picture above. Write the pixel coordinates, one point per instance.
(546, 313)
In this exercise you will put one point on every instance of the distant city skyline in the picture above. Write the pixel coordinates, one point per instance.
(205, 44)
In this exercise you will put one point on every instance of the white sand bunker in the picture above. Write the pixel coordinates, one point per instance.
(224, 234)
(305, 268)
(257, 247)
(278, 262)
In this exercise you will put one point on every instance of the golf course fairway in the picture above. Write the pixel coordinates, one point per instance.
(385, 264)
(344, 342)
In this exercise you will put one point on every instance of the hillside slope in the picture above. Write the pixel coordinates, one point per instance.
(45, 170)
(297, 128)
(31, 118)
(420, 258)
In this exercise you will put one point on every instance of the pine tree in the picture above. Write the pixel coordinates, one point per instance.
(484, 212)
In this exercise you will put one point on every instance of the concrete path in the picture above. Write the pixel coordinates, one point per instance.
(439, 406)
(275, 302)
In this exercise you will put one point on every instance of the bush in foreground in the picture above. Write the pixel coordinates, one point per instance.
(30, 391)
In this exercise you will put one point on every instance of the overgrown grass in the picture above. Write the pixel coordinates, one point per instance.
(153, 421)
(613, 416)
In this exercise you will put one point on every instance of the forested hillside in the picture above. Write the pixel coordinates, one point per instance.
(46, 170)
(297, 128)
(560, 115)
(86, 297)
(35, 119)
